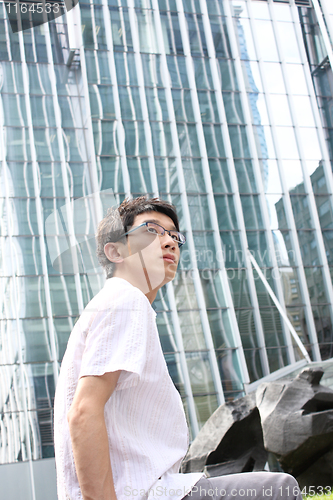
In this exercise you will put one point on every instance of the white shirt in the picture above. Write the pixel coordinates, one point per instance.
(145, 419)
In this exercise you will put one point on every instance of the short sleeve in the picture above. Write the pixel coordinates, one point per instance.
(117, 339)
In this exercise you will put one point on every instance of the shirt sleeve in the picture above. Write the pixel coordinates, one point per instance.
(117, 340)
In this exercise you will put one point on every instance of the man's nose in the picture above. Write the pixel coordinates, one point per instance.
(167, 240)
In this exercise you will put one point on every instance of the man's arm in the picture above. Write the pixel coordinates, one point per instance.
(89, 436)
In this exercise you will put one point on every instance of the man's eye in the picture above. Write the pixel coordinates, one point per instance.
(152, 230)
(174, 237)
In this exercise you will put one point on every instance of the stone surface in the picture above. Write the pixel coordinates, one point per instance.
(289, 419)
(230, 441)
(297, 422)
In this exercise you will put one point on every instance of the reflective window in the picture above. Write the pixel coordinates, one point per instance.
(245, 40)
(214, 141)
(111, 174)
(18, 145)
(266, 40)
(287, 143)
(101, 103)
(297, 80)
(25, 216)
(220, 36)
(303, 110)
(233, 107)
(301, 211)
(204, 405)
(324, 207)
(318, 177)
(237, 279)
(260, 10)
(157, 104)
(162, 139)
(310, 143)
(166, 333)
(215, 8)
(226, 213)
(188, 140)
(203, 76)
(219, 322)
(200, 218)
(138, 169)
(274, 78)
(146, 28)
(205, 253)
(12, 80)
(182, 103)
(288, 42)
(177, 72)
(252, 212)
(232, 249)
(201, 380)
(245, 176)
(171, 33)
(308, 246)
(135, 141)
(37, 345)
(219, 173)
(282, 12)
(328, 241)
(87, 26)
(228, 74)
(196, 35)
(121, 31)
(29, 289)
(125, 68)
(208, 106)
(239, 142)
(323, 324)
(271, 177)
(213, 291)
(63, 296)
(193, 175)
(14, 110)
(130, 103)
(264, 143)
(257, 244)
(193, 337)
(259, 109)
(315, 282)
(272, 200)
(167, 177)
(280, 110)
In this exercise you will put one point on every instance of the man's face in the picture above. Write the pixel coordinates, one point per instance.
(155, 256)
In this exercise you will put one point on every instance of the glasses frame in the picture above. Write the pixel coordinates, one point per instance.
(180, 243)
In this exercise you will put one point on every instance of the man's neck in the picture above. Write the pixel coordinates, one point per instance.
(143, 284)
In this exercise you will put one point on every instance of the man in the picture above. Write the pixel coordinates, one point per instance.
(120, 428)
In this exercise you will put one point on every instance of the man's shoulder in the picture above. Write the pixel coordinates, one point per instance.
(116, 295)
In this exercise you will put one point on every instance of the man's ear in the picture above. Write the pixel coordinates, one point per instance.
(113, 252)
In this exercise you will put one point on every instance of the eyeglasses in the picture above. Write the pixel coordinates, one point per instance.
(156, 229)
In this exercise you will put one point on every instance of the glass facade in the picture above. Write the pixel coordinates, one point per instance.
(222, 107)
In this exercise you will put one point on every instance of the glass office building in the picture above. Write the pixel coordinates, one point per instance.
(224, 108)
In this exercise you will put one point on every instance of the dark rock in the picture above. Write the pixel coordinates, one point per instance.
(297, 424)
(291, 421)
(231, 441)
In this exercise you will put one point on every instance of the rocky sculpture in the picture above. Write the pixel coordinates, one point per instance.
(291, 419)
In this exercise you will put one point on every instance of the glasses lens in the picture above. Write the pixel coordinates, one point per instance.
(181, 239)
(155, 228)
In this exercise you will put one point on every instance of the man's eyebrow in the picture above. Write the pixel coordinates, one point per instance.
(159, 223)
